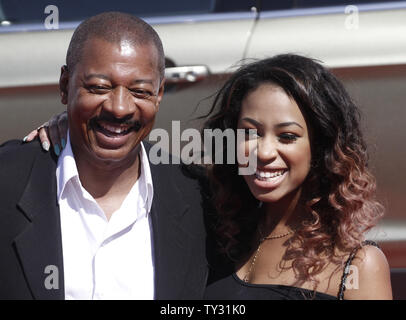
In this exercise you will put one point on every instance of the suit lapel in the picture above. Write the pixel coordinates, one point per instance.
(171, 245)
(39, 246)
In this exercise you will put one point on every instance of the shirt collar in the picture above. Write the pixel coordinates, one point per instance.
(146, 175)
(67, 170)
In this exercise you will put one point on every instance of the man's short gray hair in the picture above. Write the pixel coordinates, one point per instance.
(114, 27)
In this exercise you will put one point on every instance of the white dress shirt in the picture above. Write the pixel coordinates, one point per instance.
(105, 259)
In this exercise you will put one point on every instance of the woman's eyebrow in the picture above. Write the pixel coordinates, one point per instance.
(279, 125)
(252, 121)
(287, 124)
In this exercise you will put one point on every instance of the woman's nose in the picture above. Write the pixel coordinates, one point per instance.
(267, 149)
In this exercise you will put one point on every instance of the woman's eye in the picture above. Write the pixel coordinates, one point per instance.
(288, 137)
(251, 133)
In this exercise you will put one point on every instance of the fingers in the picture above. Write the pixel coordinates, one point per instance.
(31, 136)
(53, 133)
(62, 124)
(34, 133)
(43, 136)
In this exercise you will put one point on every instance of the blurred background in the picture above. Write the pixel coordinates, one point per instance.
(363, 42)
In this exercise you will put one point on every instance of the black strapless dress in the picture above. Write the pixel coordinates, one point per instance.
(230, 287)
(233, 288)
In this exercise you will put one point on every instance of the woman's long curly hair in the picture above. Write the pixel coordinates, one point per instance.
(339, 191)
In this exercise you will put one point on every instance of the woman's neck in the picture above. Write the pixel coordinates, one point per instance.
(283, 215)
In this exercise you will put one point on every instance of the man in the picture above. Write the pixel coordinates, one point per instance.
(100, 221)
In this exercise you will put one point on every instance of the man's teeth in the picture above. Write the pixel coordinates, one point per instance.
(266, 175)
(114, 129)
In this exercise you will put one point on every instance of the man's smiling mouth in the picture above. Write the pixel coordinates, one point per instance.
(113, 134)
(114, 129)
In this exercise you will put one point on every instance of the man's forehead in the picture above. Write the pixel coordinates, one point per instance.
(126, 47)
(123, 44)
(98, 49)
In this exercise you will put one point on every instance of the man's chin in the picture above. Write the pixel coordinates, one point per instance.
(115, 155)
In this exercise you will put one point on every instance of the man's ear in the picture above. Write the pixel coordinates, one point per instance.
(160, 92)
(63, 84)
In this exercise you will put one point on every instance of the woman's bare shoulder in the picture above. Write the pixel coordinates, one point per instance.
(369, 276)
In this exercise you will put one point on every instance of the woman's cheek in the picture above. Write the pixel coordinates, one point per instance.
(302, 162)
(247, 154)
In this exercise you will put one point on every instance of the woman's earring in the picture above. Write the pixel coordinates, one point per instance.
(259, 205)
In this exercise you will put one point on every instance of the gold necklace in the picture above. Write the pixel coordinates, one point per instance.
(246, 277)
(277, 236)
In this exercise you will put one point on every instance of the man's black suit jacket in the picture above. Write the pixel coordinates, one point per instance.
(30, 232)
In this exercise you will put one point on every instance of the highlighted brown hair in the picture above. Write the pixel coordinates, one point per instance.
(339, 191)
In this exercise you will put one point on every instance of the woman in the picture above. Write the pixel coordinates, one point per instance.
(291, 227)
(295, 228)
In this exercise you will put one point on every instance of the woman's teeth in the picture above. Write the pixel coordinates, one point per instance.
(267, 176)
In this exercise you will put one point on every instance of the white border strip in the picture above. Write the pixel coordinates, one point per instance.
(332, 10)
(209, 17)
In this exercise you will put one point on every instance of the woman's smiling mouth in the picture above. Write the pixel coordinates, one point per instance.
(269, 178)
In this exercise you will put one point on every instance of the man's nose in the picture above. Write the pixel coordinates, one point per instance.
(120, 103)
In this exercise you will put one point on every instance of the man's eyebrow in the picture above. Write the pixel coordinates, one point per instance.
(287, 124)
(103, 76)
(96, 75)
(136, 81)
